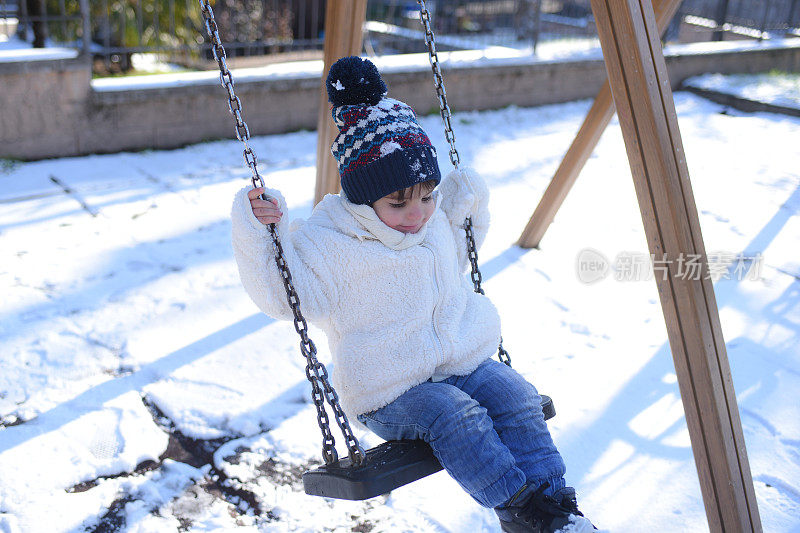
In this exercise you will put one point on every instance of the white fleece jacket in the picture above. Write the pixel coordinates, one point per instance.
(396, 308)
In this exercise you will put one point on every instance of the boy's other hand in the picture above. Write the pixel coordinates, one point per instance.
(266, 212)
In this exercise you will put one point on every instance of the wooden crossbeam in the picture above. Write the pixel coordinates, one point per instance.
(582, 147)
(643, 98)
(344, 20)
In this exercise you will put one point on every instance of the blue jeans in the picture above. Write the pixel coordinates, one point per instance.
(486, 428)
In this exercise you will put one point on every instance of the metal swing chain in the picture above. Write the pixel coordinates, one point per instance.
(226, 80)
(317, 374)
(444, 111)
(438, 82)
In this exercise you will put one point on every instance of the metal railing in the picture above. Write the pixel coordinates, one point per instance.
(742, 19)
(35, 21)
(460, 24)
(113, 30)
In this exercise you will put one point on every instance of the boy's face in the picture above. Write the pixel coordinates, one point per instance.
(409, 214)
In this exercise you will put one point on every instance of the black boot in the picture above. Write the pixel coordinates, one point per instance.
(540, 513)
(567, 499)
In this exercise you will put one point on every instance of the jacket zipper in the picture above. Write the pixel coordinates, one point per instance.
(436, 335)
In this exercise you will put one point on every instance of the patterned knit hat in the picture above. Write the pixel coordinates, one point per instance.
(381, 147)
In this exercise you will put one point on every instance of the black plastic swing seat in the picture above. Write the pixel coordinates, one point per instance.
(386, 467)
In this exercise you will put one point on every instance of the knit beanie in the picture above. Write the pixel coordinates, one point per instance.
(381, 147)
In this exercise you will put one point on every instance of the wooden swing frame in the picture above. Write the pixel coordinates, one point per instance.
(639, 87)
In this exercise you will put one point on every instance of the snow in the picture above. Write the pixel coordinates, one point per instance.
(390, 146)
(13, 49)
(36, 54)
(152, 63)
(123, 321)
(776, 88)
(705, 47)
(546, 52)
(276, 71)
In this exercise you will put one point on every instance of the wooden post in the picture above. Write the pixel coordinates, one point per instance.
(579, 151)
(344, 20)
(720, 18)
(581, 148)
(763, 26)
(86, 26)
(641, 89)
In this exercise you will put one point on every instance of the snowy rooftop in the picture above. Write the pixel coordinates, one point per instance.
(126, 335)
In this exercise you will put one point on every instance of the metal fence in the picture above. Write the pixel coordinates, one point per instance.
(33, 21)
(743, 19)
(393, 25)
(113, 30)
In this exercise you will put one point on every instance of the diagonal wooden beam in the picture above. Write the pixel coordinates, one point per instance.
(581, 148)
(344, 20)
(640, 86)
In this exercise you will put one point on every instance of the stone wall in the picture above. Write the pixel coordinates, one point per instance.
(42, 105)
(49, 108)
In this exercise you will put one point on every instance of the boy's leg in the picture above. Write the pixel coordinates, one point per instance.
(514, 406)
(461, 435)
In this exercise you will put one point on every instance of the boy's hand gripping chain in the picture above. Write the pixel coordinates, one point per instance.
(315, 371)
(444, 111)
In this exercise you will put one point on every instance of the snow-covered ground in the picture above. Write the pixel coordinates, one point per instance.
(141, 390)
(776, 88)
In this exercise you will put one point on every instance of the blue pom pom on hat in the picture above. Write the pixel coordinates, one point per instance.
(380, 148)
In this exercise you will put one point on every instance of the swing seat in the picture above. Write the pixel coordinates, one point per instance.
(386, 467)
